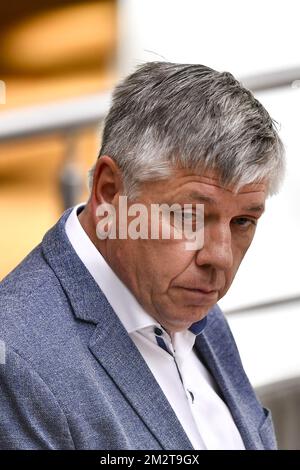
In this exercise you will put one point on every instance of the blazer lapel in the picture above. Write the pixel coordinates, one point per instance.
(222, 359)
(110, 343)
(116, 352)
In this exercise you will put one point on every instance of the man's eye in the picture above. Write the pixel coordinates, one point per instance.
(244, 222)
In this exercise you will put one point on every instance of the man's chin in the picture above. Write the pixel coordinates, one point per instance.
(183, 319)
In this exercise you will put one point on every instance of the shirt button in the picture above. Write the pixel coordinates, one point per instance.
(158, 331)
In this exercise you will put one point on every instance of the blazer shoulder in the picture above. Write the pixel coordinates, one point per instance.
(27, 276)
(29, 409)
(29, 296)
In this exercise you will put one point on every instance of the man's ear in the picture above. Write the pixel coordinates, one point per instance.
(107, 182)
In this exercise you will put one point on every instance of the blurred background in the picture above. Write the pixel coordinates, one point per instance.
(59, 60)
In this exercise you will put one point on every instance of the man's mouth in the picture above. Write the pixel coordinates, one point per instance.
(199, 295)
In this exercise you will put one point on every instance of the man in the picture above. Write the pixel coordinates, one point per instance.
(114, 340)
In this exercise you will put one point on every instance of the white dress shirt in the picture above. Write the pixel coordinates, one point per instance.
(186, 383)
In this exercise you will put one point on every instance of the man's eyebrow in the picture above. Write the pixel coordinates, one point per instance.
(207, 199)
(259, 208)
(201, 198)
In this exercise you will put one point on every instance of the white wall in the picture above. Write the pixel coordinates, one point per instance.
(243, 37)
(268, 342)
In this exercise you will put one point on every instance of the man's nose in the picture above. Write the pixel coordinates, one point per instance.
(217, 248)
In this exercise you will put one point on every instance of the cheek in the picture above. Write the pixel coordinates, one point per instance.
(165, 259)
(238, 251)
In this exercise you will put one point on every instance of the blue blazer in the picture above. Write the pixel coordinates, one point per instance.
(73, 378)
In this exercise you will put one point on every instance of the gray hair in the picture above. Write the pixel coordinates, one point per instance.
(166, 116)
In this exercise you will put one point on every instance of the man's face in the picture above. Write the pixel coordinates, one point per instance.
(178, 286)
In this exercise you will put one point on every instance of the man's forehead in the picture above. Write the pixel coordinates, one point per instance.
(190, 184)
(186, 186)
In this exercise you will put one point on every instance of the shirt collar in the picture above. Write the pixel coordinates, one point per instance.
(124, 303)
